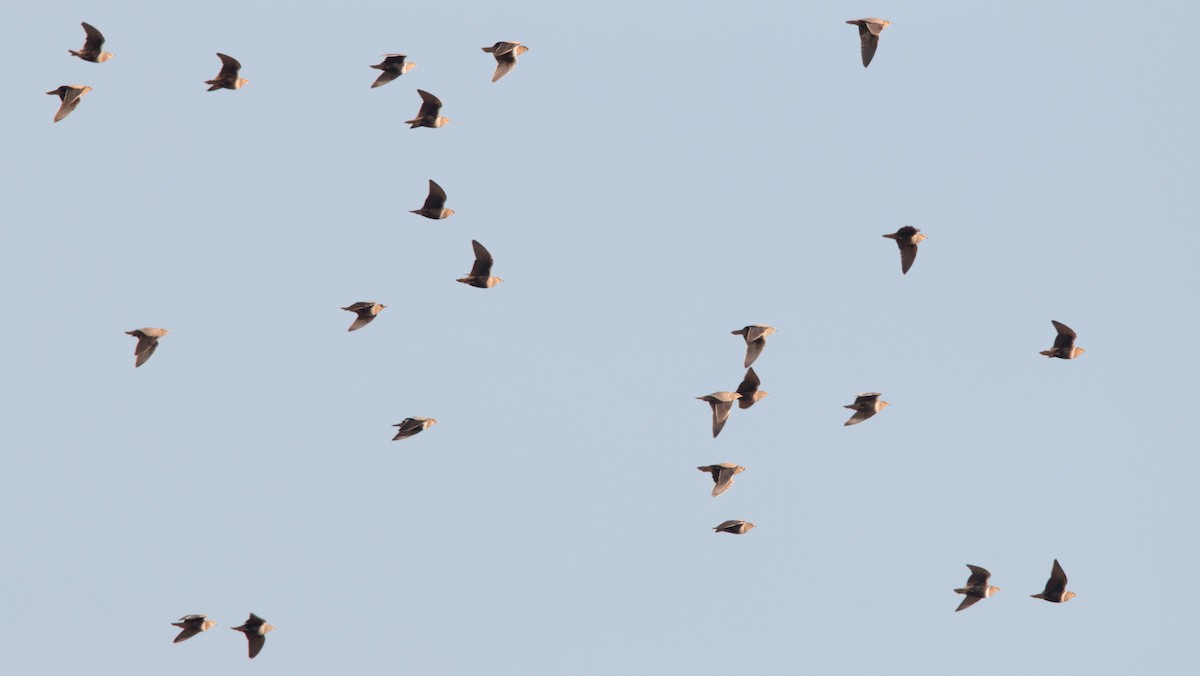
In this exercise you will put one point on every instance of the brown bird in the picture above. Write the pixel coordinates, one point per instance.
(366, 311)
(481, 272)
(506, 54)
(192, 625)
(722, 404)
(907, 238)
(435, 203)
(91, 45)
(1056, 587)
(70, 95)
(1064, 343)
(228, 77)
(393, 66)
(722, 475)
(255, 629)
(412, 426)
(428, 116)
(756, 340)
(868, 33)
(977, 587)
(737, 527)
(749, 390)
(147, 343)
(865, 405)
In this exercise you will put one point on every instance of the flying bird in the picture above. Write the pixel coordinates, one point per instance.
(868, 33)
(749, 390)
(435, 203)
(366, 311)
(481, 272)
(907, 238)
(722, 404)
(393, 66)
(865, 405)
(91, 45)
(735, 526)
(70, 95)
(147, 343)
(977, 587)
(1064, 343)
(756, 340)
(192, 625)
(506, 54)
(255, 629)
(428, 116)
(228, 77)
(1056, 587)
(412, 426)
(722, 475)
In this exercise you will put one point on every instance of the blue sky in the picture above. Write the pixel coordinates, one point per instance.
(649, 178)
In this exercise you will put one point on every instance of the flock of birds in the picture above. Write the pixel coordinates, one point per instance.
(393, 66)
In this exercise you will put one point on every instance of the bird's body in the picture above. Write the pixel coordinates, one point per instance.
(735, 526)
(428, 115)
(192, 625)
(435, 203)
(92, 43)
(506, 54)
(749, 391)
(865, 405)
(756, 340)
(69, 95)
(722, 404)
(393, 66)
(977, 588)
(481, 272)
(868, 34)
(907, 238)
(255, 629)
(412, 427)
(1064, 343)
(722, 475)
(227, 78)
(1056, 587)
(366, 311)
(147, 343)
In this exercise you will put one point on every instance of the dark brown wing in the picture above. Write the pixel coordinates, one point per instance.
(94, 40)
(483, 261)
(256, 643)
(395, 60)
(723, 480)
(229, 67)
(967, 602)
(908, 254)
(1065, 338)
(866, 398)
(430, 104)
(979, 576)
(437, 197)
(870, 42)
(749, 384)
(1057, 584)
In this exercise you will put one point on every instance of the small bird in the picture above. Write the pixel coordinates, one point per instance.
(428, 116)
(734, 526)
(868, 33)
(1056, 587)
(722, 475)
(412, 427)
(435, 203)
(506, 54)
(91, 45)
(749, 390)
(366, 311)
(977, 587)
(756, 340)
(907, 238)
(228, 77)
(481, 272)
(70, 96)
(722, 404)
(393, 66)
(865, 405)
(147, 343)
(255, 629)
(192, 625)
(1064, 343)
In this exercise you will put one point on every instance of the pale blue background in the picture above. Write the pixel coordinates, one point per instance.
(649, 178)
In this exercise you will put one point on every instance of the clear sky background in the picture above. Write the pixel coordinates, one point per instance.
(650, 177)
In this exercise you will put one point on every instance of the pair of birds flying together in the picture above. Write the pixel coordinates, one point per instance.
(255, 629)
(977, 587)
(395, 65)
(747, 392)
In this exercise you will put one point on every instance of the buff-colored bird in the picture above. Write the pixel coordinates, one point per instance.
(70, 95)
(428, 115)
(722, 475)
(92, 43)
(722, 404)
(1056, 587)
(1064, 343)
(255, 629)
(868, 34)
(749, 390)
(865, 405)
(366, 311)
(907, 238)
(227, 78)
(481, 272)
(435, 203)
(412, 426)
(756, 340)
(735, 526)
(393, 66)
(192, 625)
(147, 343)
(977, 588)
(506, 54)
